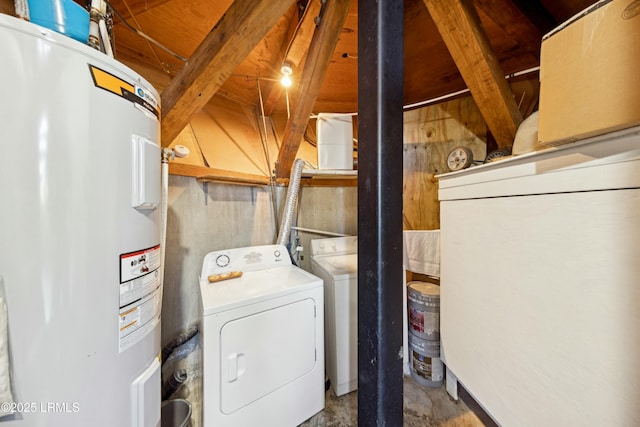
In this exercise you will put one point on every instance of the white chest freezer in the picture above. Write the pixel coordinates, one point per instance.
(540, 300)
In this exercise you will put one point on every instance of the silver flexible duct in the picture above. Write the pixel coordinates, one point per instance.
(290, 203)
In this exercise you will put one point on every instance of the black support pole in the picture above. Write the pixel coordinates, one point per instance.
(380, 124)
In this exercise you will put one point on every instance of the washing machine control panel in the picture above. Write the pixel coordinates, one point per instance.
(244, 259)
(334, 245)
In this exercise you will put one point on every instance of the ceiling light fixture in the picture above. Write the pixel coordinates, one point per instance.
(286, 74)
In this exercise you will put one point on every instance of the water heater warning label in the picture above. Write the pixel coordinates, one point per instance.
(139, 263)
(140, 296)
(138, 319)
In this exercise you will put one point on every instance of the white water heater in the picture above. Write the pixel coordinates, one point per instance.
(79, 235)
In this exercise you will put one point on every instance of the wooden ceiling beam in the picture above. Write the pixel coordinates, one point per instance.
(459, 25)
(295, 49)
(321, 49)
(240, 29)
(274, 88)
(301, 41)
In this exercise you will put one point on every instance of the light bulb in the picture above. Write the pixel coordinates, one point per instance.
(286, 73)
(285, 81)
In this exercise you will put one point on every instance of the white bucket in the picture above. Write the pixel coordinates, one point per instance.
(426, 366)
(424, 310)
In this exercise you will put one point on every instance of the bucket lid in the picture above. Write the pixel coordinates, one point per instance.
(425, 288)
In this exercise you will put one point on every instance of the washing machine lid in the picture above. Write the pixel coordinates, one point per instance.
(266, 272)
(338, 266)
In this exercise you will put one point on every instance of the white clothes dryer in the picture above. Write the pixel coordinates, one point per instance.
(262, 331)
(335, 260)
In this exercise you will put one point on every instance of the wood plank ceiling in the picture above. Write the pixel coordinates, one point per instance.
(238, 54)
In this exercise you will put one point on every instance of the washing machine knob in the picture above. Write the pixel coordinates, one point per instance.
(277, 254)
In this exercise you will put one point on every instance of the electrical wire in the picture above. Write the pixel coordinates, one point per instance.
(268, 158)
(143, 35)
(265, 143)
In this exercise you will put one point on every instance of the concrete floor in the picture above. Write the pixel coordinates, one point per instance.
(423, 407)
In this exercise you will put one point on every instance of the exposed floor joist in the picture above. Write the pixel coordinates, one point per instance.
(459, 25)
(321, 49)
(239, 30)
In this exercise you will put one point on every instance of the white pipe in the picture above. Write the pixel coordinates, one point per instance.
(290, 203)
(94, 30)
(321, 232)
(164, 205)
(104, 35)
(22, 9)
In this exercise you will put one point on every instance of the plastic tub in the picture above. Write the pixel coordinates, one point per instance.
(62, 16)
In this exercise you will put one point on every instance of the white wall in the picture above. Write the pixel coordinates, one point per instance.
(207, 217)
(204, 217)
(332, 209)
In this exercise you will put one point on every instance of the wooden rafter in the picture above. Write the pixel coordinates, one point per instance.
(295, 49)
(300, 43)
(459, 25)
(239, 30)
(274, 88)
(321, 49)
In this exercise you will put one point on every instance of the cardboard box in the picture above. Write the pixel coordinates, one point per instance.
(589, 74)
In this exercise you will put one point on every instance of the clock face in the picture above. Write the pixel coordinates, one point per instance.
(459, 158)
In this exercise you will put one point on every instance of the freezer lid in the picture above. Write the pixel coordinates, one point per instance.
(604, 162)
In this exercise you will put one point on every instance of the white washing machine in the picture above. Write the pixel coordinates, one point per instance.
(335, 260)
(262, 339)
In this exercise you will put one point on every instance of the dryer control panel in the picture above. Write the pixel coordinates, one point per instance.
(247, 259)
